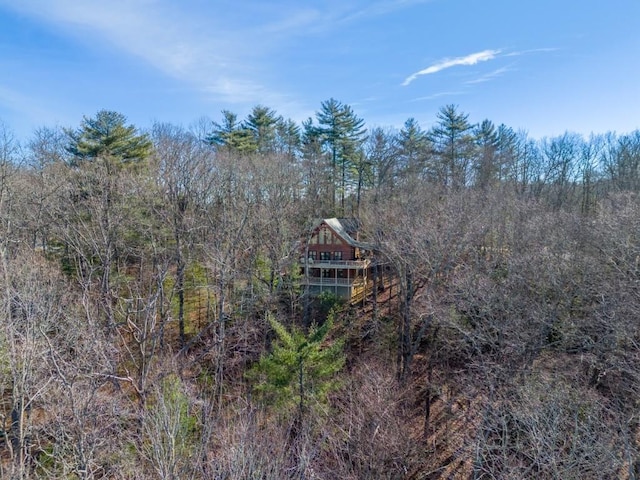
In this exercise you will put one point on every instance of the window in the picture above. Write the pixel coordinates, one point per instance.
(312, 255)
(326, 273)
(337, 255)
(326, 256)
(325, 236)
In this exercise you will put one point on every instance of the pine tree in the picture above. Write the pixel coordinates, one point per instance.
(486, 161)
(413, 148)
(288, 138)
(232, 135)
(343, 134)
(299, 372)
(262, 122)
(107, 135)
(453, 147)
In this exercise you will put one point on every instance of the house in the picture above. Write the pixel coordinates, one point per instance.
(335, 261)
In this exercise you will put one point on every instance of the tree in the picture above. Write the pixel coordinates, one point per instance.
(423, 235)
(288, 138)
(108, 135)
(486, 165)
(319, 191)
(381, 154)
(168, 430)
(413, 149)
(27, 309)
(44, 173)
(526, 170)
(183, 165)
(299, 372)
(232, 135)
(342, 133)
(560, 157)
(276, 217)
(453, 147)
(620, 160)
(9, 149)
(263, 123)
(97, 203)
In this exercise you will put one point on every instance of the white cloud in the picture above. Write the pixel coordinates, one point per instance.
(472, 59)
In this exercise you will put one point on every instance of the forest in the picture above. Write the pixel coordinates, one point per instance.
(153, 324)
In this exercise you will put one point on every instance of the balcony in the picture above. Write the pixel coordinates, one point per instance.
(350, 264)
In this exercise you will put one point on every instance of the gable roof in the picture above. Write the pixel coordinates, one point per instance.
(340, 227)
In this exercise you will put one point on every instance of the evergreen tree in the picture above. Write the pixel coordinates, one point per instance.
(288, 138)
(486, 167)
(343, 134)
(299, 372)
(453, 147)
(317, 172)
(413, 148)
(507, 151)
(108, 135)
(232, 135)
(381, 151)
(263, 122)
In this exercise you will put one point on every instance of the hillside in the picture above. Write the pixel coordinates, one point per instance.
(154, 323)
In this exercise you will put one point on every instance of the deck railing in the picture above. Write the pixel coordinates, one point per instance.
(332, 281)
(336, 263)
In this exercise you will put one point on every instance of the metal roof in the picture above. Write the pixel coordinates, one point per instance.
(338, 227)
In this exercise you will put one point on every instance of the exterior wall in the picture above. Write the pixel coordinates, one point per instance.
(329, 243)
(334, 266)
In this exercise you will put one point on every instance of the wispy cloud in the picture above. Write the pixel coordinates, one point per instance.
(532, 50)
(227, 56)
(15, 104)
(471, 59)
(225, 53)
(297, 18)
(489, 76)
(206, 51)
(438, 95)
(379, 8)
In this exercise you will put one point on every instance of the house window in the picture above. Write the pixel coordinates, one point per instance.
(326, 256)
(326, 273)
(325, 236)
(337, 255)
(313, 255)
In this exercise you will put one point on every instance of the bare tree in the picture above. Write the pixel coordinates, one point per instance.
(184, 165)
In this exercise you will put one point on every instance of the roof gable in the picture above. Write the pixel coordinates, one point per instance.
(340, 230)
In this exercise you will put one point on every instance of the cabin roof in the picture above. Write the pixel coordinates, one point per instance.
(343, 228)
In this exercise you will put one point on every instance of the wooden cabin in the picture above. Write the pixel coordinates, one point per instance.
(334, 260)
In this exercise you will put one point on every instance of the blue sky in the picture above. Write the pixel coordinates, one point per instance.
(544, 66)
